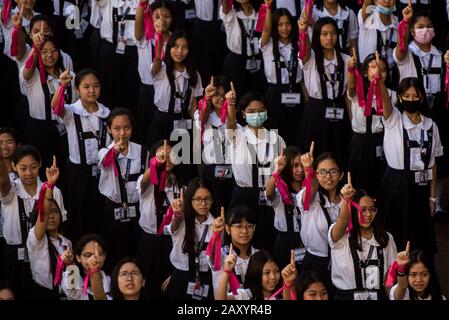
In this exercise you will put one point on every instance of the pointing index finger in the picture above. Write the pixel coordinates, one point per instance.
(222, 213)
(292, 257)
(54, 161)
(230, 249)
(232, 87)
(212, 81)
(354, 54)
(96, 249)
(349, 178)
(312, 145)
(407, 248)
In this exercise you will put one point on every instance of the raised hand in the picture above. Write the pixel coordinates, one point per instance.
(162, 155)
(280, 162)
(231, 96)
(120, 146)
(307, 158)
(407, 12)
(303, 23)
(289, 273)
(17, 19)
(446, 57)
(65, 77)
(39, 38)
(403, 257)
(67, 256)
(230, 260)
(219, 223)
(95, 261)
(178, 205)
(268, 3)
(52, 173)
(347, 192)
(352, 62)
(210, 89)
(158, 27)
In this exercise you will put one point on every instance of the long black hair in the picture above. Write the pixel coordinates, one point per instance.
(332, 157)
(83, 241)
(188, 246)
(407, 83)
(115, 290)
(235, 215)
(365, 66)
(167, 5)
(275, 17)
(433, 289)
(59, 66)
(305, 280)
(291, 152)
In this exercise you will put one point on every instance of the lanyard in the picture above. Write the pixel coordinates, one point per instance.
(122, 21)
(332, 78)
(250, 37)
(197, 254)
(182, 94)
(222, 141)
(387, 45)
(365, 263)
(258, 164)
(429, 66)
(290, 65)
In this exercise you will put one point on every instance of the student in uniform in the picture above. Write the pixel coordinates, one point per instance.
(162, 17)
(46, 244)
(280, 50)
(416, 277)
(261, 281)
(319, 206)
(156, 196)
(411, 143)
(86, 280)
(243, 65)
(310, 286)
(128, 281)
(210, 121)
(191, 230)
(361, 250)
(325, 119)
(19, 199)
(365, 158)
(348, 28)
(287, 221)
(293, 6)
(423, 60)
(378, 32)
(254, 150)
(177, 84)
(120, 164)
(85, 122)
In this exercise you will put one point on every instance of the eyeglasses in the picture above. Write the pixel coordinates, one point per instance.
(198, 201)
(133, 275)
(87, 255)
(371, 210)
(241, 227)
(322, 173)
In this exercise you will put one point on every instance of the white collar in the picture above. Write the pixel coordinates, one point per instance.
(334, 60)
(425, 124)
(374, 22)
(132, 151)
(341, 13)
(252, 139)
(183, 74)
(22, 193)
(241, 15)
(79, 109)
(209, 221)
(215, 120)
(417, 51)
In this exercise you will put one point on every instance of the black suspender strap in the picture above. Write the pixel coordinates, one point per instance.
(123, 181)
(47, 101)
(291, 66)
(344, 34)
(215, 10)
(360, 266)
(219, 146)
(290, 215)
(421, 71)
(332, 78)
(115, 22)
(257, 165)
(84, 135)
(25, 221)
(185, 96)
(426, 147)
(143, 159)
(246, 36)
(390, 44)
(298, 7)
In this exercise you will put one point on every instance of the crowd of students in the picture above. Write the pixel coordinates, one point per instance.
(321, 133)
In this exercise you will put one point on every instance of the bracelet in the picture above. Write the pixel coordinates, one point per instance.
(95, 270)
(276, 175)
(288, 286)
(227, 271)
(400, 274)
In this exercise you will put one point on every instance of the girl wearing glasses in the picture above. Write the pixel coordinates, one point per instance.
(361, 253)
(127, 280)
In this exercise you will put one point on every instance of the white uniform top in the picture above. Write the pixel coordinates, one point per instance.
(343, 273)
(36, 96)
(393, 140)
(205, 9)
(358, 121)
(407, 294)
(407, 66)
(40, 258)
(368, 35)
(96, 14)
(12, 177)
(241, 159)
(162, 89)
(178, 258)
(77, 294)
(280, 222)
(145, 55)
(285, 52)
(314, 226)
(147, 205)
(89, 123)
(11, 214)
(106, 27)
(312, 77)
(109, 185)
(234, 34)
(289, 5)
(340, 17)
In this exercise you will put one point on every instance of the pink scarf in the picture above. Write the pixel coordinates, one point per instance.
(446, 84)
(302, 45)
(261, 17)
(29, 63)
(360, 211)
(168, 217)
(374, 86)
(283, 188)
(160, 42)
(392, 274)
(87, 278)
(15, 41)
(59, 269)
(224, 111)
(40, 201)
(311, 174)
(359, 88)
(154, 178)
(59, 109)
(284, 286)
(6, 11)
(148, 23)
(234, 283)
(229, 3)
(401, 32)
(202, 104)
(215, 241)
(308, 7)
(109, 160)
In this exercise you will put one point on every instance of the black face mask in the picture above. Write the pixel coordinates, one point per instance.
(410, 106)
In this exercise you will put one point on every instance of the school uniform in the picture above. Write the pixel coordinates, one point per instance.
(348, 28)
(294, 6)
(243, 65)
(18, 207)
(184, 15)
(287, 221)
(43, 266)
(121, 209)
(283, 98)
(75, 291)
(193, 268)
(429, 67)
(117, 63)
(216, 164)
(325, 119)
(86, 133)
(407, 294)
(94, 45)
(154, 250)
(410, 150)
(252, 162)
(359, 274)
(209, 38)
(365, 158)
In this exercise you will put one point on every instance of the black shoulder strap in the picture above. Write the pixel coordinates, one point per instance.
(25, 221)
(80, 136)
(357, 266)
(344, 34)
(143, 159)
(47, 101)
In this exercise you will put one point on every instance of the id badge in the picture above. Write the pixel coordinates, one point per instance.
(182, 124)
(290, 99)
(121, 46)
(252, 65)
(79, 33)
(365, 295)
(197, 291)
(299, 254)
(421, 177)
(334, 114)
(190, 14)
(223, 171)
(21, 254)
(262, 198)
(380, 152)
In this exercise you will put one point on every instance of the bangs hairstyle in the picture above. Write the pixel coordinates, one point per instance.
(332, 157)
(305, 280)
(115, 290)
(254, 3)
(167, 5)
(406, 84)
(59, 66)
(316, 42)
(221, 80)
(420, 14)
(236, 215)
(188, 61)
(290, 153)
(84, 73)
(433, 288)
(13, 133)
(365, 66)
(254, 274)
(41, 17)
(26, 150)
(244, 102)
(83, 241)
(119, 112)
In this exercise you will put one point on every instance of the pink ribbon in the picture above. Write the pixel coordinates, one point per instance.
(215, 241)
(166, 221)
(311, 174)
(401, 31)
(392, 274)
(59, 109)
(302, 45)
(360, 2)
(283, 188)
(229, 3)
(109, 160)
(40, 201)
(359, 88)
(29, 64)
(284, 286)
(234, 283)
(261, 17)
(446, 85)
(86, 282)
(154, 178)
(224, 111)
(6, 11)
(374, 87)
(15, 42)
(59, 269)
(308, 7)
(148, 23)
(202, 105)
(160, 42)
(360, 211)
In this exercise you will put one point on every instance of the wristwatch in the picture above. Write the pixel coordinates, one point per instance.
(433, 199)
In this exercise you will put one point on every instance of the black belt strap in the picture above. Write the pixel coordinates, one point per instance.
(119, 17)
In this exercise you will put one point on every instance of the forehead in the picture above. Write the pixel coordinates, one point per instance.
(284, 19)
(162, 11)
(418, 267)
(423, 20)
(366, 201)
(181, 42)
(316, 286)
(89, 78)
(327, 164)
(255, 105)
(120, 120)
(129, 266)
(202, 192)
(327, 28)
(90, 247)
(27, 160)
(48, 46)
(5, 136)
(269, 266)
(411, 91)
(38, 25)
